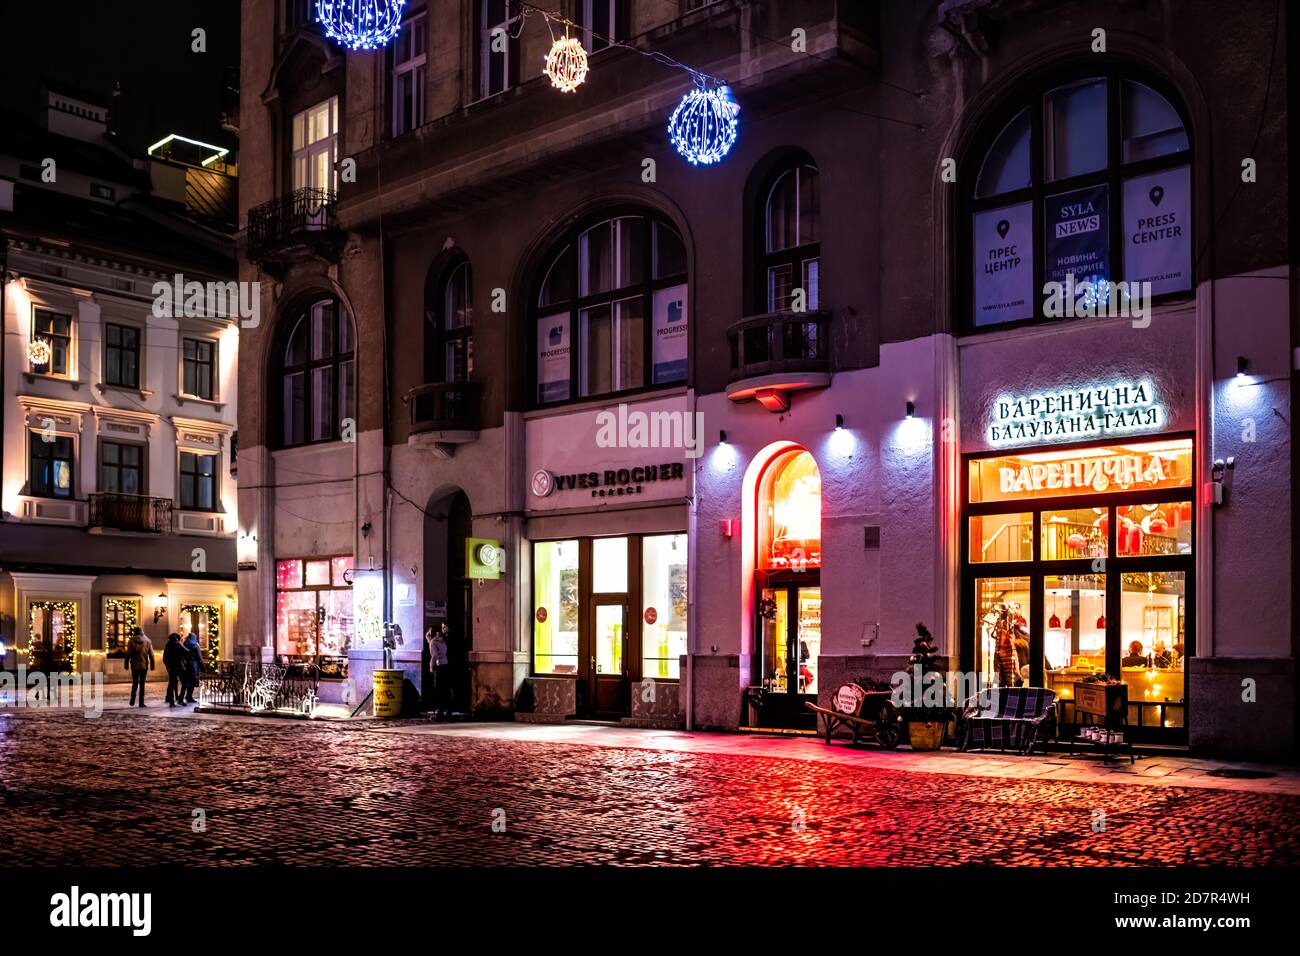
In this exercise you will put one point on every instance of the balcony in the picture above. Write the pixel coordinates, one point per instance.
(777, 354)
(136, 513)
(301, 222)
(444, 414)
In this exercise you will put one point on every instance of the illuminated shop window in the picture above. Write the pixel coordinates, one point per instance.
(663, 600)
(790, 513)
(555, 607)
(314, 617)
(1104, 469)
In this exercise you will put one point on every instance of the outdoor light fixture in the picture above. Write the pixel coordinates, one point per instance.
(1243, 364)
(722, 437)
(839, 422)
(159, 607)
(39, 352)
(911, 410)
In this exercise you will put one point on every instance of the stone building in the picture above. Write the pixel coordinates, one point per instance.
(528, 371)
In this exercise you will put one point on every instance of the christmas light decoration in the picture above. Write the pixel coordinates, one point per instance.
(214, 629)
(67, 634)
(566, 64)
(360, 24)
(39, 351)
(704, 126)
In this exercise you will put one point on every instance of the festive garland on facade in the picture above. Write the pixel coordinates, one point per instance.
(131, 611)
(69, 611)
(214, 630)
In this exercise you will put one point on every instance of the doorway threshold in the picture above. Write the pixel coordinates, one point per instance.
(778, 731)
(593, 721)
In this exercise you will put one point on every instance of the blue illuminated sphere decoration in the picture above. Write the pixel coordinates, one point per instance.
(704, 126)
(360, 24)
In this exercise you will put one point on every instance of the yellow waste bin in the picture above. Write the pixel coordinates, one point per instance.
(388, 693)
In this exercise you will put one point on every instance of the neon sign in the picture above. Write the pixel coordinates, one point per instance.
(1092, 412)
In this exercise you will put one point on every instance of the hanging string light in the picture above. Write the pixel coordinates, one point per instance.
(704, 126)
(39, 352)
(360, 24)
(566, 64)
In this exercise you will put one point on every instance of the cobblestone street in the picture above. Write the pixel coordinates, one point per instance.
(122, 790)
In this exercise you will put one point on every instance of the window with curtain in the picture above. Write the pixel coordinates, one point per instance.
(792, 240)
(49, 466)
(317, 374)
(611, 311)
(1082, 199)
(315, 133)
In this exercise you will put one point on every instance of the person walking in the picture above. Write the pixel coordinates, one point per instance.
(174, 658)
(438, 665)
(139, 661)
(193, 666)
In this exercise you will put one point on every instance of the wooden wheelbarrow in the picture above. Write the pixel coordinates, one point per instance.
(866, 713)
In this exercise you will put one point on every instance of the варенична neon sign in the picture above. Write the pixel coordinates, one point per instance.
(1091, 412)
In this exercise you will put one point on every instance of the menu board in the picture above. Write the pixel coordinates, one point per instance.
(1003, 260)
(1158, 231)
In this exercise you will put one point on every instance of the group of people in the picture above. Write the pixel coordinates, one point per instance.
(183, 660)
(1161, 657)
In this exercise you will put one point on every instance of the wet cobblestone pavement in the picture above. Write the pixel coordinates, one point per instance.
(122, 790)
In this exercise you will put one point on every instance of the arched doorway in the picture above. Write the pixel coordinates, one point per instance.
(447, 596)
(787, 587)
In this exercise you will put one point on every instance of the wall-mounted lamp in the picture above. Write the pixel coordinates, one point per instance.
(159, 607)
(1243, 365)
(911, 410)
(839, 422)
(722, 437)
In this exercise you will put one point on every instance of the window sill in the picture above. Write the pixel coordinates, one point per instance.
(30, 377)
(605, 402)
(182, 398)
(134, 390)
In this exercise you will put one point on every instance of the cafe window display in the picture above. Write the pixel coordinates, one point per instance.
(788, 587)
(610, 611)
(314, 620)
(1078, 564)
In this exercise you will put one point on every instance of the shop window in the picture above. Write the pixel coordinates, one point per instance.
(664, 606)
(318, 375)
(1006, 537)
(121, 616)
(1153, 634)
(790, 513)
(408, 74)
(56, 331)
(315, 139)
(619, 288)
(1074, 634)
(1099, 469)
(1069, 533)
(50, 464)
(609, 565)
(1102, 215)
(315, 619)
(121, 468)
(792, 234)
(449, 310)
(204, 621)
(1002, 631)
(121, 355)
(51, 636)
(555, 607)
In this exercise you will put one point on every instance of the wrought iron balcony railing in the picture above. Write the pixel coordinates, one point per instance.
(130, 513)
(444, 406)
(304, 216)
(779, 342)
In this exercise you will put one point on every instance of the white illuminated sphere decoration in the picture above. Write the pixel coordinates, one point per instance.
(566, 64)
(360, 24)
(39, 352)
(704, 126)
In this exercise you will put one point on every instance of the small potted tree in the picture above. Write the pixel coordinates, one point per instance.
(927, 716)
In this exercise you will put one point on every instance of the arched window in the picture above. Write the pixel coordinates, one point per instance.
(318, 374)
(792, 238)
(790, 513)
(611, 311)
(1083, 196)
(449, 310)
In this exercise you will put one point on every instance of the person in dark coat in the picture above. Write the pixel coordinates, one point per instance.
(439, 663)
(193, 666)
(174, 659)
(139, 661)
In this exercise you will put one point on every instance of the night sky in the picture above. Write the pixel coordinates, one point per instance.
(143, 44)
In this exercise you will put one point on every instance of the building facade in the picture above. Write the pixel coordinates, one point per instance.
(693, 444)
(118, 476)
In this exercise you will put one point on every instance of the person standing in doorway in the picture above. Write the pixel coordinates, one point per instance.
(174, 656)
(193, 665)
(439, 662)
(139, 661)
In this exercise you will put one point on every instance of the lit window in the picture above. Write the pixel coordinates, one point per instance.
(315, 134)
(49, 466)
(314, 620)
(56, 331)
(555, 607)
(664, 606)
(790, 513)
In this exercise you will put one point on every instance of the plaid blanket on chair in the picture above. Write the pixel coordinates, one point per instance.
(1015, 716)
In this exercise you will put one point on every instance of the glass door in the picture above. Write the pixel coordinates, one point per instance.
(609, 673)
(790, 618)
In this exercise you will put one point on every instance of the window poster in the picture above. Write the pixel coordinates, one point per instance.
(1158, 230)
(1003, 259)
(670, 335)
(1076, 234)
(554, 344)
